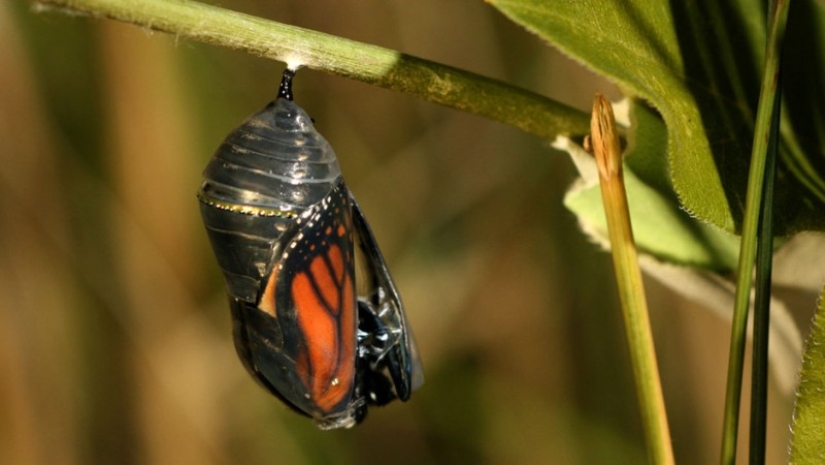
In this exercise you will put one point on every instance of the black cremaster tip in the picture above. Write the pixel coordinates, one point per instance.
(285, 90)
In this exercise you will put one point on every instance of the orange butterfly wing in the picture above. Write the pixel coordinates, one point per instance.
(311, 292)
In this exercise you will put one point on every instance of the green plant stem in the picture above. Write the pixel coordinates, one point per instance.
(434, 82)
(606, 148)
(762, 302)
(756, 180)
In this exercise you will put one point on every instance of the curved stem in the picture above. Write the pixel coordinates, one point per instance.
(434, 82)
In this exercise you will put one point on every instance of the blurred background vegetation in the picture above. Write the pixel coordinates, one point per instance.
(115, 337)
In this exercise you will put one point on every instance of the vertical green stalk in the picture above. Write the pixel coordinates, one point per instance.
(762, 303)
(606, 148)
(767, 101)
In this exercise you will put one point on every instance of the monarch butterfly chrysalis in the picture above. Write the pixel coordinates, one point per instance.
(283, 226)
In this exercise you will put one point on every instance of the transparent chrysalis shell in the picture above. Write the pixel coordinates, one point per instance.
(283, 227)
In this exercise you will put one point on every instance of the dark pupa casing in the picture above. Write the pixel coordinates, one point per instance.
(272, 197)
(270, 169)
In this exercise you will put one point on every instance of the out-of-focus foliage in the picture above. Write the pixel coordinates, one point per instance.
(115, 337)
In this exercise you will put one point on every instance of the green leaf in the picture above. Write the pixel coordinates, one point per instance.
(808, 441)
(697, 63)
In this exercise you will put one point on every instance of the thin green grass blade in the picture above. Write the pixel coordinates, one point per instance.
(747, 255)
(762, 302)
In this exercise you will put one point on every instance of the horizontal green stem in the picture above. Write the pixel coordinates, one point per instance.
(437, 83)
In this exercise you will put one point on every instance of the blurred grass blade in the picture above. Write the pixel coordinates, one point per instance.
(606, 148)
(756, 181)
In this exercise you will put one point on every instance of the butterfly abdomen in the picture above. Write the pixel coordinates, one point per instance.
(271, 168)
